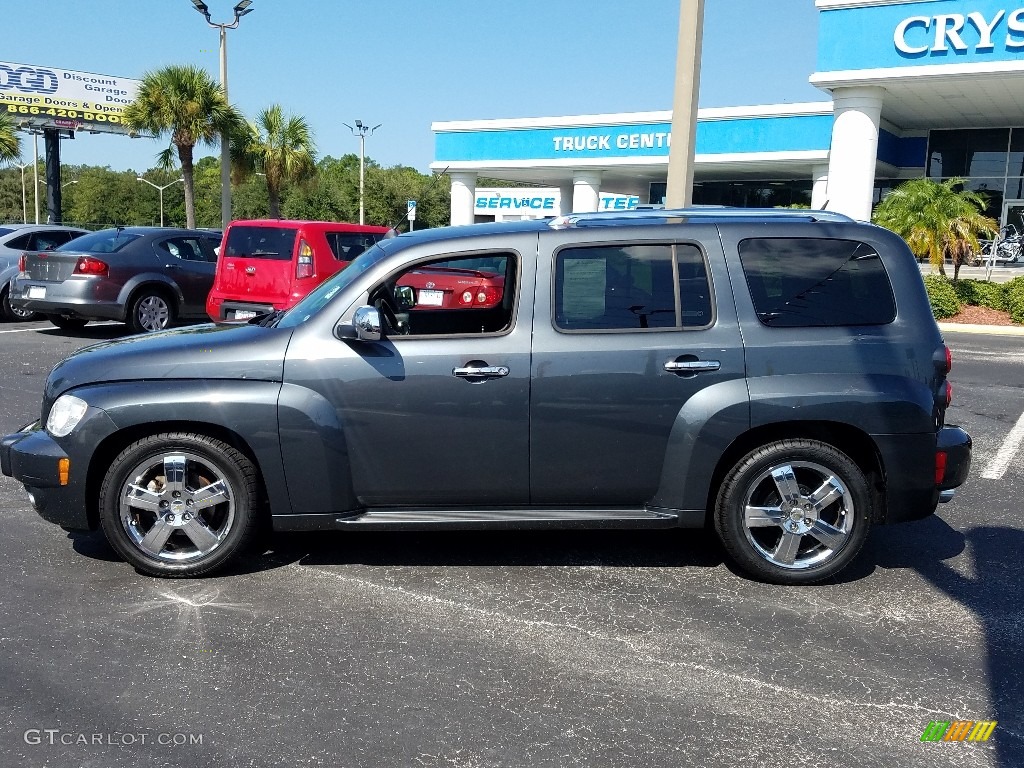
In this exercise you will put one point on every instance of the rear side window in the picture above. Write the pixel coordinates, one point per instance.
(273, 243)
(347, 245)
(804, 282)
(632, 287)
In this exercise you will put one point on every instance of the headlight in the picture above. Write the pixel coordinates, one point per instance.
(65, 414)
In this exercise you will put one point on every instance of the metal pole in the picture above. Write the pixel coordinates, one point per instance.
(225, 139)
(24, 204)
(679, 189)
(35, 173)
(161, 206)
(362, 140)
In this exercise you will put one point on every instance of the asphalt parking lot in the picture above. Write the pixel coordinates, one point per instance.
(521, 649)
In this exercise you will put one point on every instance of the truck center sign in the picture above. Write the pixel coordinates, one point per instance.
(45, 97)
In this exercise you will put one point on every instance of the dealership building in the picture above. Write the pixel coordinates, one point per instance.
(918, 88)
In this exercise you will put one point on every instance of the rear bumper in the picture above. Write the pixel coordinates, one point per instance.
(72, 298)
(913, 488)
(227, 310)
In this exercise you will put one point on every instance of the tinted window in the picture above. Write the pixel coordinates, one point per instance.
(347, 245)
(104, 241)
(798, 282)
(275, 243)
(5, 231)
(50, 239)
(631, 287)
(21, 243)
(187, 248)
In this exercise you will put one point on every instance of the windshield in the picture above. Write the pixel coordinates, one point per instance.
(104, 241)
(330, 288)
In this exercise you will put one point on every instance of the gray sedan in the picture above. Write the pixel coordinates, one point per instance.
(15, 239)
(143, 276)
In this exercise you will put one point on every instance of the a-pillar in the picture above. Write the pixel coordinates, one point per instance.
(851, 166)
(819, 192)
(586, 189)
(463, 190)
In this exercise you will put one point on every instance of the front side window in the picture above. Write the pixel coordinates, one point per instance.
(185, 248)
(462, 296)
(804, 282)
(632, 287)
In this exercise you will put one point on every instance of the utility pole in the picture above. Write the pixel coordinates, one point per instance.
(679, 189)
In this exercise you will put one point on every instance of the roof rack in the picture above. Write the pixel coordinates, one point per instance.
(710, 212)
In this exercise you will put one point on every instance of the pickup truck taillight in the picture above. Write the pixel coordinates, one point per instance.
(304, 264)
(86, 265)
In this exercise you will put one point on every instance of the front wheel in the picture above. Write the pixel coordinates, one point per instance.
(794, 512)
(149, 312)
(179, 504)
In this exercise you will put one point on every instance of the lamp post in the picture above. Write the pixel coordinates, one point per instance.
(24, 202)
(161, 191)
(362, 131)
(240, 10)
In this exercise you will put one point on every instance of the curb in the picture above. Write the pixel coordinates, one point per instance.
(994, 330)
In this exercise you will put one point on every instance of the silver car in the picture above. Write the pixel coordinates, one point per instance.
(146, 277)
(15, 239)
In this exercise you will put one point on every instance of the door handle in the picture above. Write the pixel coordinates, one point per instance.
(481, 372)
(692, 366)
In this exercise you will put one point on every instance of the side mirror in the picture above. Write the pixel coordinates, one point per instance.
(366, 322)
(405, 296)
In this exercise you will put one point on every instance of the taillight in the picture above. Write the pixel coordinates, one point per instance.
(949, 394)
(304, 264)
(940, 466)
(21, 263)
(943, 359)
(86, 265)
(488, 295)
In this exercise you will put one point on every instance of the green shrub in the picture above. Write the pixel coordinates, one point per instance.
(981, 293)
(1013, 293)
(945, 303)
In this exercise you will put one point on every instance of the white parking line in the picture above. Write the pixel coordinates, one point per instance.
(1006, 452)
(51, 327)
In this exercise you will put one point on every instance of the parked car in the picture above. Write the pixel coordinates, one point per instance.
(776, 375)
(15, 239)
(146, 277)
(269, 264)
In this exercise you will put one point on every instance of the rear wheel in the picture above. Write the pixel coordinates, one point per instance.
(7, 312)
(179, 504)
(794, 512)
(66, 322)
(150, 311)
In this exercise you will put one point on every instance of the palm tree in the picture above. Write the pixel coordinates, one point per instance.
(278, 146)
(10, 144)
(186, 103)
(939, 220)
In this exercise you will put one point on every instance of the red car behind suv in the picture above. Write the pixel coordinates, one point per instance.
(270, 264)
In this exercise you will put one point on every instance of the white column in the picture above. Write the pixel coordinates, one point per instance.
(851, 166)
(565, 194)
(463, 189)
(586, 187)
(819, 192)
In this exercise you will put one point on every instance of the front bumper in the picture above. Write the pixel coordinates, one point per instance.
(32, 457)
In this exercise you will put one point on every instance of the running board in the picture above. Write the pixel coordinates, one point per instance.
(388, 519)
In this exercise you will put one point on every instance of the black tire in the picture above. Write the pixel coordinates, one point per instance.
(794, 512)
(179, 527)
(67, 323)
(9, 313)
(150, 311)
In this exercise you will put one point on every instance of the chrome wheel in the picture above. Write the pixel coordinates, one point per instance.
(177, 508)
(179, 504)
(794, 511)
(151, 313)
(798, 515)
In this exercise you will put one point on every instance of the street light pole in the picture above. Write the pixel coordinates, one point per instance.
(156, 187)
(240, 10)
(24, 204)
(35, 172)
(362, 131)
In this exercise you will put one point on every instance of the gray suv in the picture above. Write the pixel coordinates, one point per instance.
(774, 375)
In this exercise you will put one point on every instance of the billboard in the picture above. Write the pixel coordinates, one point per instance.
(46, 97)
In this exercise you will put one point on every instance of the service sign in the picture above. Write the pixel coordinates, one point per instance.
(46, 97)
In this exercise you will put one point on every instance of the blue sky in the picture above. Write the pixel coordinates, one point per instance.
(407, 63)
